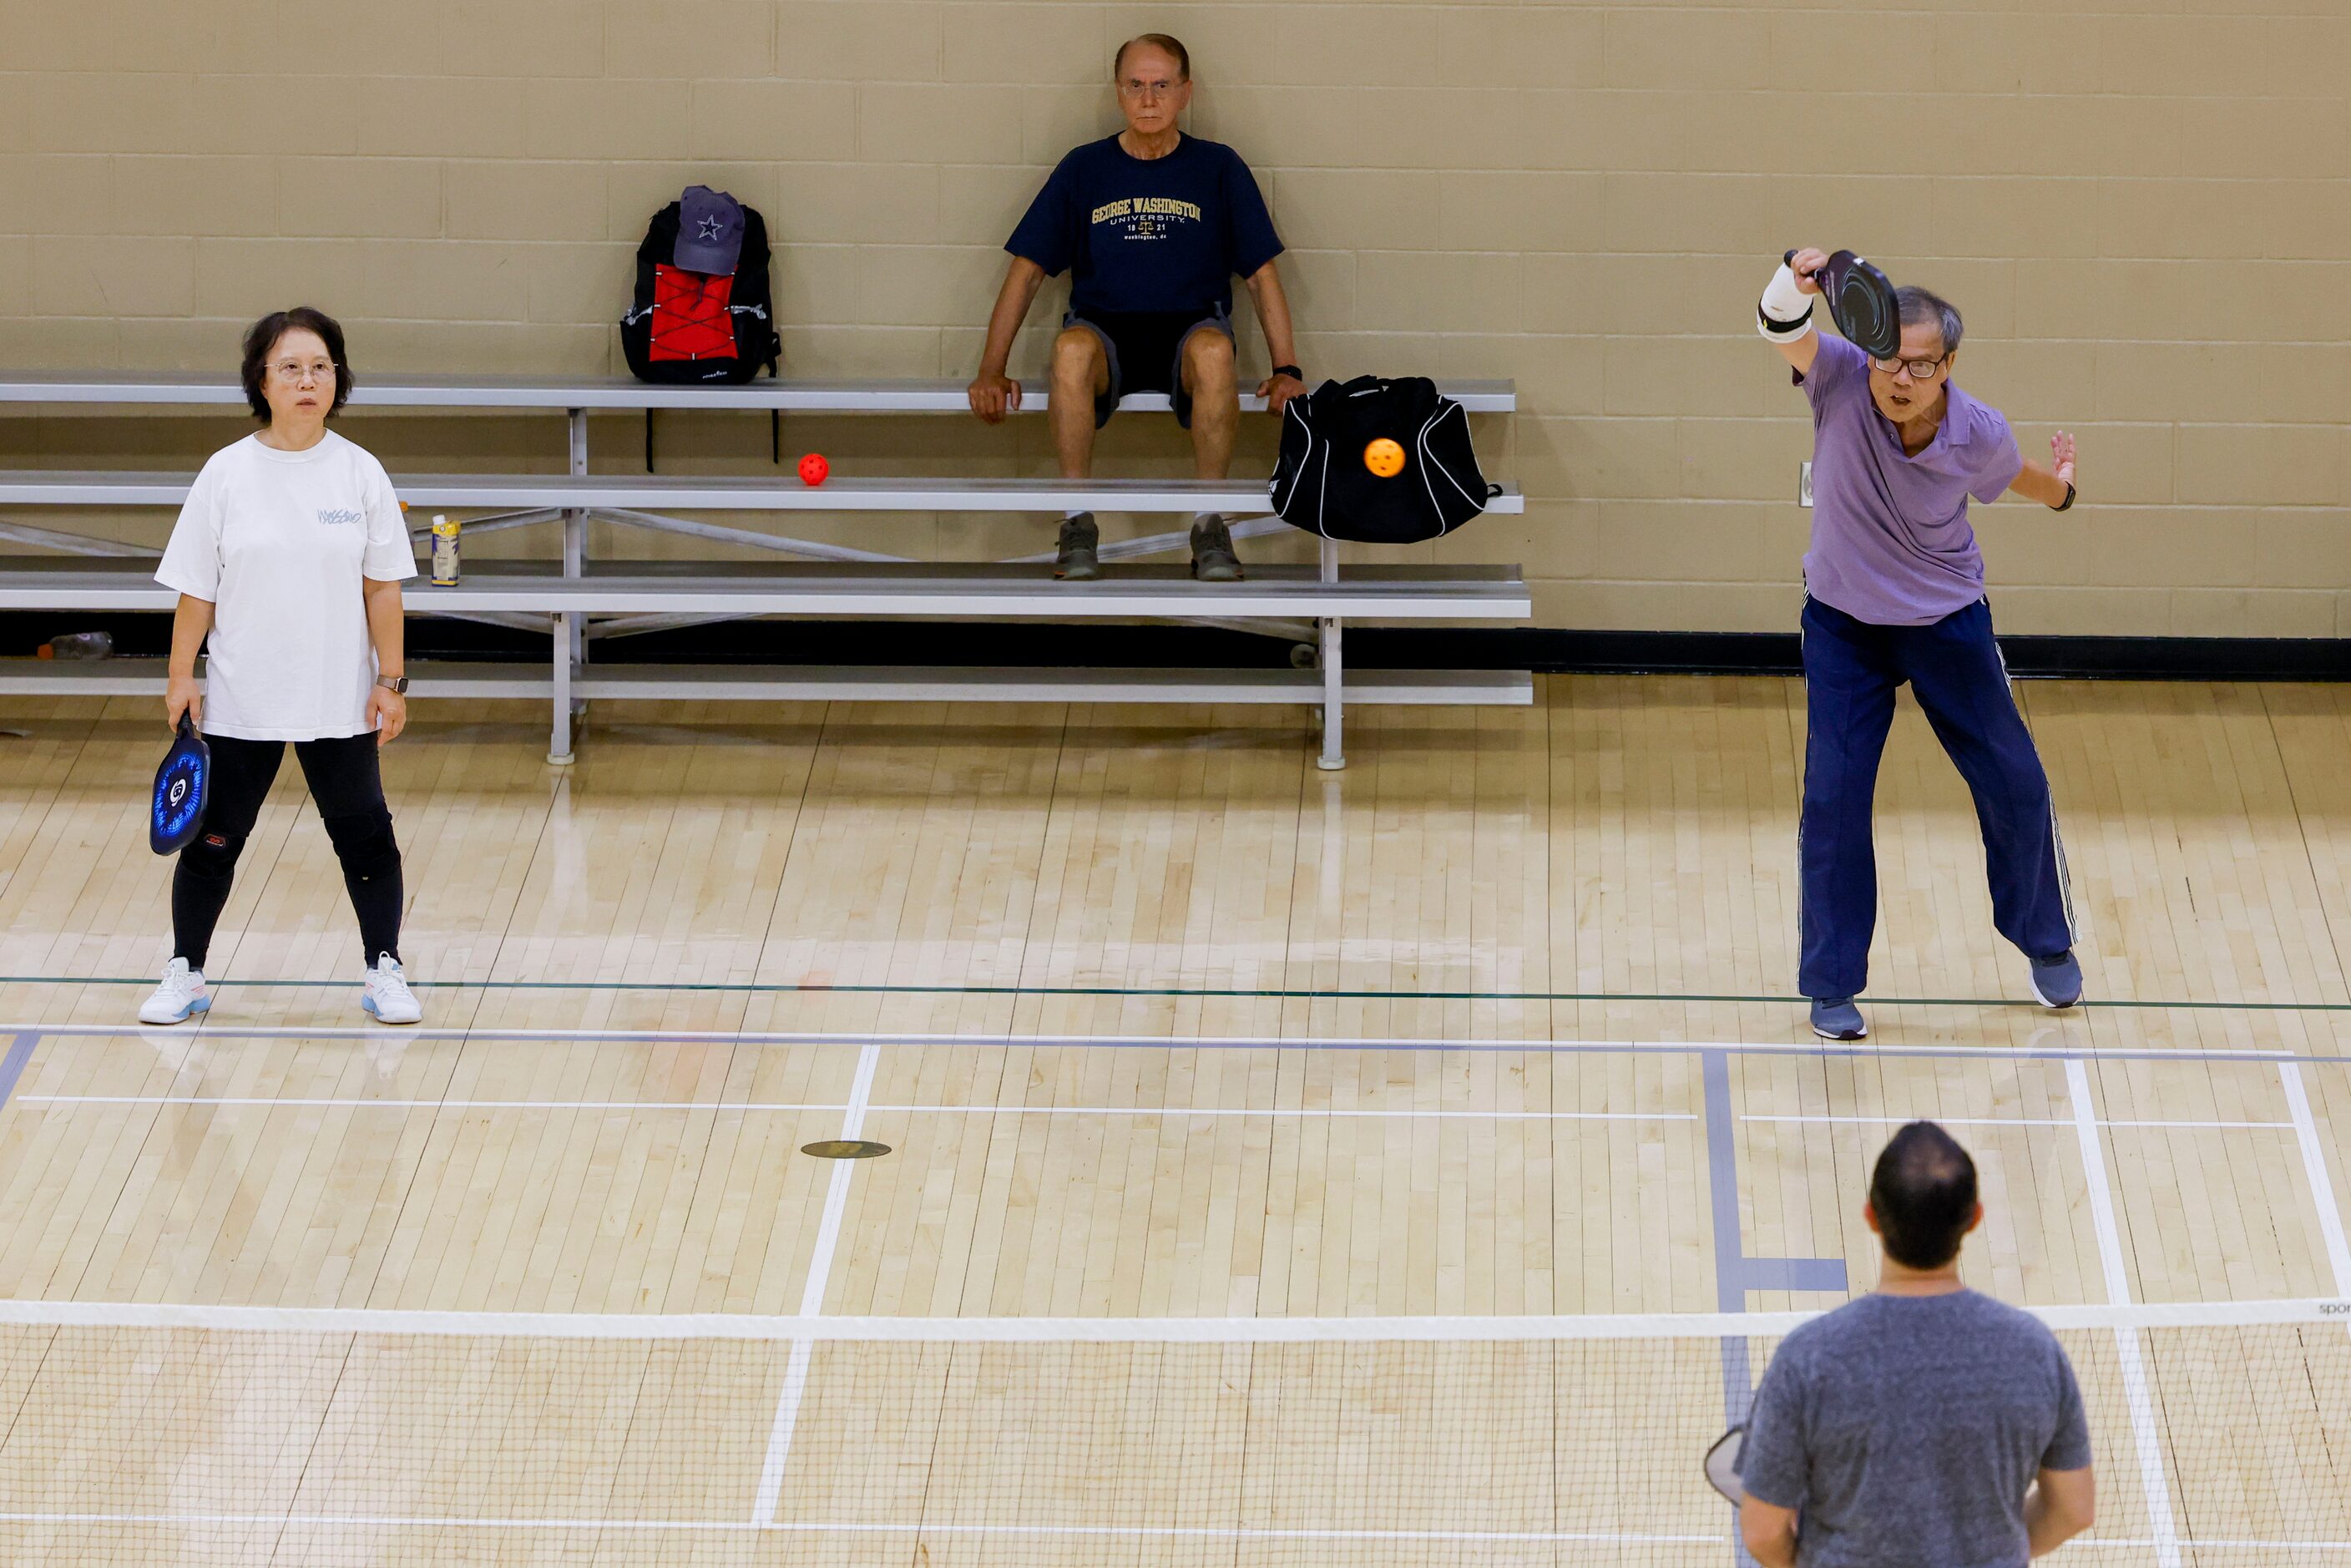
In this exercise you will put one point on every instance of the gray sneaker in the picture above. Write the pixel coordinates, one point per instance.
(1835, 1018)
(1213, 559)
(2057, 981)
(1076, 560)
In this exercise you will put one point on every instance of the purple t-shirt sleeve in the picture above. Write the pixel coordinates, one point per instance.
(1833, 369)
(2002, 462)
(1772, 1462)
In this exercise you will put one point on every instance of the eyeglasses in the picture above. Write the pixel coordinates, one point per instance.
(1134, 88)
(295, 371)
(1920, 370)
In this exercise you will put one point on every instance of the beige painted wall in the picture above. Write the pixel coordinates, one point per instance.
(2142, 205)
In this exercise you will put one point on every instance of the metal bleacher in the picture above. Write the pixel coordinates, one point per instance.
(578, 602)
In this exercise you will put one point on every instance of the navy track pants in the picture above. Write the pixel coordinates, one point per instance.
(1954, 668)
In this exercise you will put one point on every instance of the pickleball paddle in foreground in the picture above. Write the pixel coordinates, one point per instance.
(178, 813)
(1861, 302)
(1722, 1464)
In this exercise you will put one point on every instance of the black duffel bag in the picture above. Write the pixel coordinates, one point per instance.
(1325, 485)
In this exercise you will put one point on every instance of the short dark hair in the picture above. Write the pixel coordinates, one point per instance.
(1915, 307)
(1158, 41)
(261, 337)
(1924, 1192)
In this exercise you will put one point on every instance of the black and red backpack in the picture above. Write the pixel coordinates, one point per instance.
(685, 327)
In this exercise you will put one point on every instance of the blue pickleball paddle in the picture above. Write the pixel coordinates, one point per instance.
(180, 787)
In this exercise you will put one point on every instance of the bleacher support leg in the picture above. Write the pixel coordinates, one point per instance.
(575, 535)
(559, 740)
(1334, 752)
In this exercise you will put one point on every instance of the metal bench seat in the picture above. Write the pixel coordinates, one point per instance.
(603, 492)
(447, 679)
(944, 590)
(550, 394)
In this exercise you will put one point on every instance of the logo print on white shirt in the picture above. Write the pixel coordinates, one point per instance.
(334, 516)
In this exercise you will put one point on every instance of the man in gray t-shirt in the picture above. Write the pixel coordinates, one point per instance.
(1922, 1424)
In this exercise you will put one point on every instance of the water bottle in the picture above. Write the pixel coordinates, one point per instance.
(80, 646)
(445, 551)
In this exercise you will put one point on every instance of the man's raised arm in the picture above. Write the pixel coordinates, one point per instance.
(992, 393)
(1784, 317)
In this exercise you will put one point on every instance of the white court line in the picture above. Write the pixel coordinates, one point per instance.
(356, 1104)
(224, 1033)
(2008, 1122)
(2314, 1161)
(828, 1237)
(2144, 1432)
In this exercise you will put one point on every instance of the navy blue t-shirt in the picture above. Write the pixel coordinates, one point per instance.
(1148, 233)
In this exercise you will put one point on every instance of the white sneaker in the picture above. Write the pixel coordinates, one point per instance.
(180, 994)
(387, 997)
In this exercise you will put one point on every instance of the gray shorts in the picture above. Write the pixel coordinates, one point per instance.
(1145, 351)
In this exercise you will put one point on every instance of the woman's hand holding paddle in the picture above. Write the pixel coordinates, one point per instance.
(182, 695)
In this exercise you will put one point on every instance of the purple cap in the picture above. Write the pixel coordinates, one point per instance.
(709, 231)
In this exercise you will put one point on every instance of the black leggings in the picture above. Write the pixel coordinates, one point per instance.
(349, 790)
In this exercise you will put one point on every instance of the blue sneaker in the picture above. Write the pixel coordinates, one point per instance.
(1835, 1018)
(2057, 981)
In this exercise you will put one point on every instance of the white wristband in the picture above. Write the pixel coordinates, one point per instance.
(1785, 313)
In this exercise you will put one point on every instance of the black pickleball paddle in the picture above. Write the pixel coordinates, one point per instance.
(1861, 303)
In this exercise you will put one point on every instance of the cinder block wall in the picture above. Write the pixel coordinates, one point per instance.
(2142, 205)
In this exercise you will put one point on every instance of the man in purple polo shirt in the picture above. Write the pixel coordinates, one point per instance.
(1894, 592)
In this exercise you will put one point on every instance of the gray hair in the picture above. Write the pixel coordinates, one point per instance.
(1916, 307)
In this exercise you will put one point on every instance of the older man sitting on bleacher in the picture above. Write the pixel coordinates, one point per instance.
(1152, 225)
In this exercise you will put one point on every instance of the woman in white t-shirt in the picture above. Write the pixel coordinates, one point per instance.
(289, 553)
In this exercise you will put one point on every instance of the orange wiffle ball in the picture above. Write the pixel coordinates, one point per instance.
(1385, 458)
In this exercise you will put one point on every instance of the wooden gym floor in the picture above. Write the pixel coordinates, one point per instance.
(1158, 1021)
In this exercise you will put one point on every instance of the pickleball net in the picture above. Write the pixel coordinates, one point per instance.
(145, 1435)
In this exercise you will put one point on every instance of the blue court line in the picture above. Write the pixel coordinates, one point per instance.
(1736, 1273)
(20, 1056)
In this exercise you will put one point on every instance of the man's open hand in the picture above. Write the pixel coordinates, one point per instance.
(2060, 456)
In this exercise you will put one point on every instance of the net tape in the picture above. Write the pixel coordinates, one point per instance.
(1091, 1330)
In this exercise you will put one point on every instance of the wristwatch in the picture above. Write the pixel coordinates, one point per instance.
(1292, 371)
(393, 683)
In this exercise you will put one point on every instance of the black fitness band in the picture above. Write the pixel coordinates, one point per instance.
(1292, 371)
(2068, 501)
